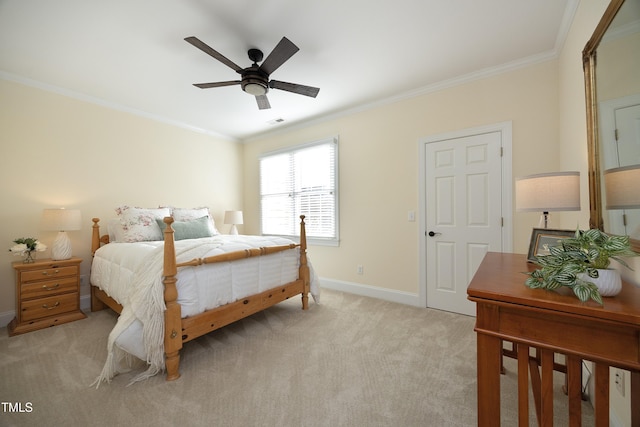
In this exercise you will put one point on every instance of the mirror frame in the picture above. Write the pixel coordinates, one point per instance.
(589, 60)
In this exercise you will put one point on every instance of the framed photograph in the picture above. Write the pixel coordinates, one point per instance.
(544, 238)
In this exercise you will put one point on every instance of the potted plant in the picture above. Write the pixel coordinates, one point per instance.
(581, 262)
(27, 246)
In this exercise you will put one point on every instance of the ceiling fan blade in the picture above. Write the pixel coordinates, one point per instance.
(295, 88)
(210, 51)
(216, 84)
(263, 102)
(278, 56)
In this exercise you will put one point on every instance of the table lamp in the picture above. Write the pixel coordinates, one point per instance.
(233, 218)
(546, 192)
(61, 220)
(622, 187)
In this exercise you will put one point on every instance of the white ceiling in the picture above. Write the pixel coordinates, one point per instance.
(130, 54)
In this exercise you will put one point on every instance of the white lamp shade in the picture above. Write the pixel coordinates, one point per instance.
(557, 191)
(61, 219)
(622, 187)
(233, 217)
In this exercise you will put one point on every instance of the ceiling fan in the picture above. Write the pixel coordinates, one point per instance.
(255, 79)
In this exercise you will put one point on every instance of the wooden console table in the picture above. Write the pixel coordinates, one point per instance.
(553, 322)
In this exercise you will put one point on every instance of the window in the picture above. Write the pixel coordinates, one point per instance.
(301, 180)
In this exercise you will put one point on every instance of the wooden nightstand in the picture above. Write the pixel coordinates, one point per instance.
(47, 294)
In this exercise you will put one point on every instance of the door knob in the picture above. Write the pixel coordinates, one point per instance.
(433, 233)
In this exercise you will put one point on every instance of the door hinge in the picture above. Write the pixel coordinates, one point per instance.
(615, 132)
(501, 221)
(501, 151)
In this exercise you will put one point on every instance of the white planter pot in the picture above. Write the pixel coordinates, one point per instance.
(608, 282)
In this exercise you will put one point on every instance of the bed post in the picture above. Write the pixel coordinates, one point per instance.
(172, 314)
(95, 236)
(96, 303)
(304, 268)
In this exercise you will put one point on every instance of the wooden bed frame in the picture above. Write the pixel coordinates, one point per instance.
(178, 330)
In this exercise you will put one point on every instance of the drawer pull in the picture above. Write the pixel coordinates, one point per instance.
(51, 288)
(46, 273)
(52, 307)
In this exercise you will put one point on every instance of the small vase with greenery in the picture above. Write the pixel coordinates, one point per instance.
(576, 260)
(27, 246)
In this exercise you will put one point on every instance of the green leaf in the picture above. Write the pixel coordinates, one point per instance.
(533, 283)
(582, 292)
(595, 295)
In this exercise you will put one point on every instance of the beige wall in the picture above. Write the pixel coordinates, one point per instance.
(58, 151)
(379, 168)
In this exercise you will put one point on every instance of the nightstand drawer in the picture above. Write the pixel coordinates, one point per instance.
(50, 306)
(49, 287)
(49, 273)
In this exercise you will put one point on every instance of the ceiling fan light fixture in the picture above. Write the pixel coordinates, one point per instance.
(255, 89)
(255, 78)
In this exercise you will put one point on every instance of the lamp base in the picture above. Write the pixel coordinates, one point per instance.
(234, 230)
(544, 220)
(61, 248)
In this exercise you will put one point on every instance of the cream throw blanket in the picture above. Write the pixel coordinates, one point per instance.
(146, 303)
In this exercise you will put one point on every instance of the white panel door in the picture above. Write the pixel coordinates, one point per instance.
(620, 145)
(463, 215)
(628, 144)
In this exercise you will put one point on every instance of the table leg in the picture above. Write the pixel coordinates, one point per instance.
(489, 353)
(635, 398)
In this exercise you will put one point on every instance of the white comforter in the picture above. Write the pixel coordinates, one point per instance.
(131, 274)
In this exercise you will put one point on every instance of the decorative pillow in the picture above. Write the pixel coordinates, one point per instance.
(139, 225)
(182, 214)
(194, 229)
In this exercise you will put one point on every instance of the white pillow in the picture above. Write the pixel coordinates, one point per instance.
(183, 215)
(139, 225)
(115, 230)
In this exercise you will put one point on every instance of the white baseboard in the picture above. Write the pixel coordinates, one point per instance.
(371, 291)
(7, 316)
(85, 303)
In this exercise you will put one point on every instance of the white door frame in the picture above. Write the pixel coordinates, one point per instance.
(505, 128)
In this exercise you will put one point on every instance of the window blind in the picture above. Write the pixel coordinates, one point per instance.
(300, 181)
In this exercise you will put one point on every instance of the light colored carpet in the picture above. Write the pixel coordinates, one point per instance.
(351, 361)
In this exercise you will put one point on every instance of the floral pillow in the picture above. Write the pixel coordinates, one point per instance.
(139, 225)
(182, 214)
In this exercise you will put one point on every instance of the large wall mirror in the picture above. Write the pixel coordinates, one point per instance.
(612, 80)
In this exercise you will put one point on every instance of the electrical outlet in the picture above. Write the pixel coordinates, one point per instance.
(83, 280)
(360, 270)
(619, 380)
